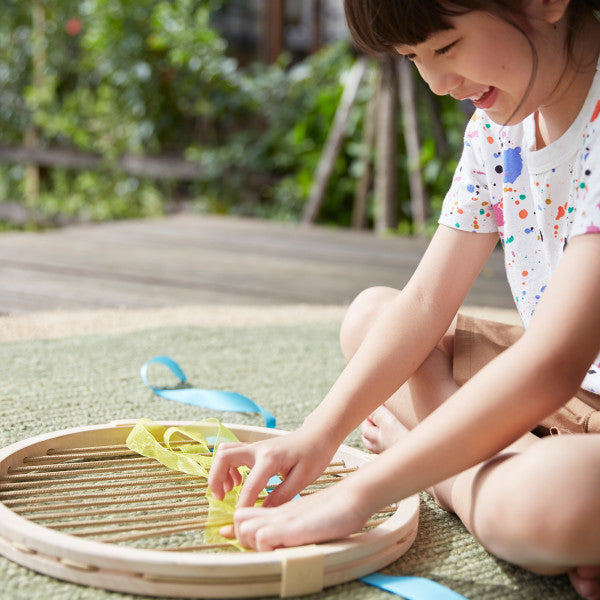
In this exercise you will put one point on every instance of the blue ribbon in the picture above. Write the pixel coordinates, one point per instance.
(212, 399)
(411, 588)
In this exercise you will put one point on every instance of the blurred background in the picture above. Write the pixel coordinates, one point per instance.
(113, 109)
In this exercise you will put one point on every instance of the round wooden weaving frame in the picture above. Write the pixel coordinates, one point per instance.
(285, 572)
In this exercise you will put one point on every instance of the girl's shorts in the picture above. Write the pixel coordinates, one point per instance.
(478, 341)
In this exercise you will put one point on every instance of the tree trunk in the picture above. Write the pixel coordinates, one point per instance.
(386, 175)
(439, 133)
(38, 44)
(361, 194)
(333, 144)
(317, 25)
(413, 147)
(272, 39)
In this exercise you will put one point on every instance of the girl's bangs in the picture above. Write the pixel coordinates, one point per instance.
(377, 26)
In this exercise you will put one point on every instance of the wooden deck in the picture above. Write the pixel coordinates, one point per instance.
(189, 260)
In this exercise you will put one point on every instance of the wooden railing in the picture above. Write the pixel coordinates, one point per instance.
(156, 167)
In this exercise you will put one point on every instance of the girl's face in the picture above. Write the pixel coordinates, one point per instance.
(484, 59)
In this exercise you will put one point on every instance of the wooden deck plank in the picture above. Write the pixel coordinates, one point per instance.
(190, 259)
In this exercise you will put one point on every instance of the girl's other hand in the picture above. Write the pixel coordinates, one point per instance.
(298, 458)
(326, 515)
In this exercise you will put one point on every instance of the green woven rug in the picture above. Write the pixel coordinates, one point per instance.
(51, 384)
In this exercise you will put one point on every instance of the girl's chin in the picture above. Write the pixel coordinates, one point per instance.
(507, 116)
(508, 110)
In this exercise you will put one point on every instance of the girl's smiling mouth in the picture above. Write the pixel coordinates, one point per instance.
(480, 98)
(486, 99)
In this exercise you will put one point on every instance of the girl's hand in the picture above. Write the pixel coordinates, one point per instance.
(329, 514)
(298, 458)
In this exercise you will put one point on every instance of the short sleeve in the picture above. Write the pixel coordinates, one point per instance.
(467, 205)
(587, 180)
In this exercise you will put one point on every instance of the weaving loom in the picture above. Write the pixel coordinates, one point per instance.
(81, 506)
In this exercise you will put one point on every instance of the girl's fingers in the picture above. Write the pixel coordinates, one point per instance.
(268, 538)
(287, 489)
(265, 459)
(263, 531)
(246, 523)
(228, 531)
(232, 479)
(236, 476)
(227, 459)
(224, 475)
(255, 483)
(307, 520)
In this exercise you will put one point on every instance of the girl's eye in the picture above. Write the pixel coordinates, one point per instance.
(410, 57)
(446, 49)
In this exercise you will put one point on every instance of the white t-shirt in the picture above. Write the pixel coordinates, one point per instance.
(536, 200)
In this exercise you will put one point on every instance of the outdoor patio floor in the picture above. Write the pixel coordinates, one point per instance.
(185, 260)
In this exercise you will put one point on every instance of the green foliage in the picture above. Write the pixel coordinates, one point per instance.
(155, 77)
(438, 167)
(292, 109)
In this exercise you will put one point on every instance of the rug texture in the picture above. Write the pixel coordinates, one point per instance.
(284, 359)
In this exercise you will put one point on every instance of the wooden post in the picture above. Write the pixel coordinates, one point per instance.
(317, 25)
(273, 17)
(386, 175)
(38, 43)
(442, 148)
(361, 193)
(413, 152)
(333, 144)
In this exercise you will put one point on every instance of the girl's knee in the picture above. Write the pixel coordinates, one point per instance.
(361, 315)
(364, 310)
(542, 509)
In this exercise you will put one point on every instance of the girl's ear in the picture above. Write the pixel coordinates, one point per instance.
(550, 11)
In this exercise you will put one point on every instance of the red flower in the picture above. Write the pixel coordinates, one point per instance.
(73, 26)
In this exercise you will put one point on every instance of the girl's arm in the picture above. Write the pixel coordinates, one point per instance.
(397, 344)
(406, 332)
(514, 392)
(503, 401)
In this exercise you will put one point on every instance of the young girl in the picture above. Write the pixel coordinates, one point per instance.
(440, 417)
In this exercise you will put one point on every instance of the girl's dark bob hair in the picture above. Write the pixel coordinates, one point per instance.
(379, 25)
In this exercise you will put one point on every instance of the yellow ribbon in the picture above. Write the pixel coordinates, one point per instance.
(194, 457)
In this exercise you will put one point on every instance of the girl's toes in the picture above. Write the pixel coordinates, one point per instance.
(381, 430)
(586, 581)
(370, 436)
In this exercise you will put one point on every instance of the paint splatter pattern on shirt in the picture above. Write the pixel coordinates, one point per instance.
(535, 200)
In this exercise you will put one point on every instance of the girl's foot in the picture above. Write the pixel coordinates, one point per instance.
(586, 581)
(381, 430)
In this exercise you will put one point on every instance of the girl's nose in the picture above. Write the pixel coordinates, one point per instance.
(441, 81)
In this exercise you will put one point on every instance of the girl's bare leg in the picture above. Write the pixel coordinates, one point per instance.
(536, 504)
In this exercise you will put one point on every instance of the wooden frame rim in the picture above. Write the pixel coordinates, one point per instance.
(186, 574)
